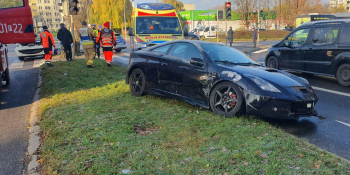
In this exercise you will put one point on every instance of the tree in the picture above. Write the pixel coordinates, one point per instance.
(102, 11)
(179, 6)
(245, 9)
(338, 9)
(217, 7)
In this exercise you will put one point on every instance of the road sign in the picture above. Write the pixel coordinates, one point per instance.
(89, 25)
(100, 26)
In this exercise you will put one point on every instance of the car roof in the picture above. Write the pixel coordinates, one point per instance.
(325, 22)
(195, 42)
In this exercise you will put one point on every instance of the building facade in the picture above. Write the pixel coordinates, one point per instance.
(337, 3)
(46, 12)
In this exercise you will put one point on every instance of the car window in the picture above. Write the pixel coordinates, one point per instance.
(162, 49)
(298, 38)
(345, 35)
(224, 53)
(325, 35)
(206, 29)
(185, 51)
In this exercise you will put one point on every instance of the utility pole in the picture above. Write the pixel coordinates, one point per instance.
(74, 46)
(217, 26)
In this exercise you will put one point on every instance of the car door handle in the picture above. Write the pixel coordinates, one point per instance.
(164, 64)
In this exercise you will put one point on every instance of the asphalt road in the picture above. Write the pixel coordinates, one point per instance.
(14, 114)
(331, 133)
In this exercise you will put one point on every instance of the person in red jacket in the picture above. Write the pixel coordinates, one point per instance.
(47, 41)
(107, 39)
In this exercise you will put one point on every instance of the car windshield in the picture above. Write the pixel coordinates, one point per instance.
(222, 53)
(158, 25)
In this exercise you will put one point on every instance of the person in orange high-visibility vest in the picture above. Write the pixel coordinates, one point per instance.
(47, 41)
(107, 39)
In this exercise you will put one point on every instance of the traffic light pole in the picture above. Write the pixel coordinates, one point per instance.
(226, 30)
(217, 26)
(257, 42)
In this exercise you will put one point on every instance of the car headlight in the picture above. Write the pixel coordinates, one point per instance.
(141, 45)
(264, 85)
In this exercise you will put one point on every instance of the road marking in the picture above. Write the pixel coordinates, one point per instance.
(343, 123)
(259, 51)
(38, 62)
(331, 91)
(17, 64)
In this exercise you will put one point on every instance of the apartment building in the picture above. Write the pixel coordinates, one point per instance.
(46, 12)
(337, 3)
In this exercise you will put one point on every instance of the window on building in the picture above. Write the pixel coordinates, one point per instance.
(56, 25)
(47, 7)
(39, 1)
(341, 1)
(33, 3)
(40, 8)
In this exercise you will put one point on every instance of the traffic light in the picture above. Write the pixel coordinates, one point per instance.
(228, 10)
(73, 7)
(261, 13)
(221, 15)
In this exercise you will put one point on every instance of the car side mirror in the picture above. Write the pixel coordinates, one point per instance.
(286, 43)
(131, 33)
(197, 62)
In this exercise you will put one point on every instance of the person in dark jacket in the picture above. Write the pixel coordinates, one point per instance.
(66, 38)
(230, 36)
(255, 36)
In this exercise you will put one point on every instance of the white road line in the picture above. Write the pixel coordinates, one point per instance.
(17, 64)
(38, 62)
(343, 123)
(331, 91)
(260, 51)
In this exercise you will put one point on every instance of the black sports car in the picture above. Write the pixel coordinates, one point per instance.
(218, 77)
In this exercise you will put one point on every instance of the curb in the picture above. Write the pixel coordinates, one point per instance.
(34, 131)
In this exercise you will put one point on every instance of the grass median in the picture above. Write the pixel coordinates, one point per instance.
(91, 124)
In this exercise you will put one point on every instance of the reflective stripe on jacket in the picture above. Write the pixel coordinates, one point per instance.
(106, 37)
(46, 39)
(86, 38)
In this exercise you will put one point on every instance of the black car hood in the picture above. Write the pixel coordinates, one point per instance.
(274, 76)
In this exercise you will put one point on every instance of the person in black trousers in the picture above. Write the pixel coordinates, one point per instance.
(66, 38)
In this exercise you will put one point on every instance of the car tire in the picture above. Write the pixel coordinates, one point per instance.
(343, 75)
(272, 62)
(7, 76)
(21, 58)
(194, 38)
(118, 50)
(137, 82)
(225, 96)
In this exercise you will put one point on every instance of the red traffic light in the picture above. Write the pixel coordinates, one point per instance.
(228, 4)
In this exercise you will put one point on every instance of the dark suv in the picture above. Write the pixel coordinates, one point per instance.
(320, 47)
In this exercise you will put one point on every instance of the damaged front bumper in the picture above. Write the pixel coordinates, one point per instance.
(276, 105)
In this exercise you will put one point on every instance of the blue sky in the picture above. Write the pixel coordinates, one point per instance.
(200, 4)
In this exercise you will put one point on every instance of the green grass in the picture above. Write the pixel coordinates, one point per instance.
(88, 120)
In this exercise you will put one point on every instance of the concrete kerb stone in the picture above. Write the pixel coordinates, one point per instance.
(34, 130)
